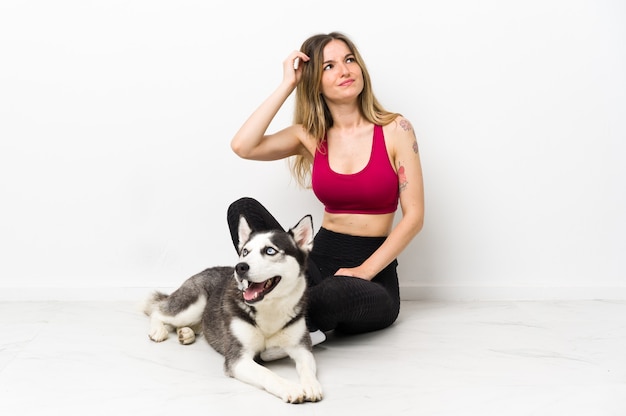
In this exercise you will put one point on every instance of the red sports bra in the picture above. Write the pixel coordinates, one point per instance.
(373, 190)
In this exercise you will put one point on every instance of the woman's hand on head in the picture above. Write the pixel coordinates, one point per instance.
(293, 67)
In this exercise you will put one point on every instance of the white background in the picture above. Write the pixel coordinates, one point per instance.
(116, 119)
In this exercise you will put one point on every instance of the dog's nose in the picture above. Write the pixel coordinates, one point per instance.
(242, 268)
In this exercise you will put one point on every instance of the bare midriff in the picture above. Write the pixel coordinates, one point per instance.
(363, 225)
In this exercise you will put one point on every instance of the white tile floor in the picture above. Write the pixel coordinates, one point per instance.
(469, 358)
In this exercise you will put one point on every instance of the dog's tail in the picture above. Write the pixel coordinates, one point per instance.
(153, 301)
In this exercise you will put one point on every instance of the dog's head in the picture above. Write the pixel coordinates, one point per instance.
(272, 262)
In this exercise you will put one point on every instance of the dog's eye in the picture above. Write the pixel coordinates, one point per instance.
(244, 252)
(270, 251)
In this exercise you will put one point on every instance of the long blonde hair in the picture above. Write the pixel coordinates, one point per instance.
(310, 106)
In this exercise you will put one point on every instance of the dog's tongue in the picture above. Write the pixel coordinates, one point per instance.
(253, 291)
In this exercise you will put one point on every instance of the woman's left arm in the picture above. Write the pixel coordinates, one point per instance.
(405, 154)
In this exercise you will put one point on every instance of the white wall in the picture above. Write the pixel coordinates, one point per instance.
(116, 117)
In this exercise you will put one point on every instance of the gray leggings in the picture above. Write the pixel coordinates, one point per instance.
(341, 303)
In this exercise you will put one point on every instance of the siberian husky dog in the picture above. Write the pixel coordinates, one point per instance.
(243, 310)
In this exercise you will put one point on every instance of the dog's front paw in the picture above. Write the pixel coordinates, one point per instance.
(186, 335)
(313, 391)
(292, 393)
(158, 334)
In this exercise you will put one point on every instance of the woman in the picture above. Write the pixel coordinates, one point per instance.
(360, 160)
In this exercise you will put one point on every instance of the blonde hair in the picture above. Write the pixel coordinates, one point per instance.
(310, 107)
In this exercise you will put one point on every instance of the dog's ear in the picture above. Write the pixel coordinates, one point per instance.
(303, 233)
(244, 232)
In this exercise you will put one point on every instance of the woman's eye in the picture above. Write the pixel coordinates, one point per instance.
(270, 251)
(327, 67)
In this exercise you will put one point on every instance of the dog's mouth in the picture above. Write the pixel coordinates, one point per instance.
(257, 291)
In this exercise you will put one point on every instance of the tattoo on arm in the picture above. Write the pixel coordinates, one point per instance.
(402, 182)
(406, 126)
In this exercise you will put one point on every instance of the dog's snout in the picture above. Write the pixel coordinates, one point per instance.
(242, 268)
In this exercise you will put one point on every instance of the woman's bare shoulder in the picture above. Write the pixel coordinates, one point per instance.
(399, 126)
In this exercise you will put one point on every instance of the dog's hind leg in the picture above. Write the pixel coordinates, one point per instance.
(181, 309)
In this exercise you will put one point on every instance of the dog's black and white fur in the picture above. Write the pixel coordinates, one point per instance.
(243, 310)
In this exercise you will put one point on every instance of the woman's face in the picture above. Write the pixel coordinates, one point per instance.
(342, 79)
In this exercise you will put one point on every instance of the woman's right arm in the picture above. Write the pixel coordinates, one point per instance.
(251, 142)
